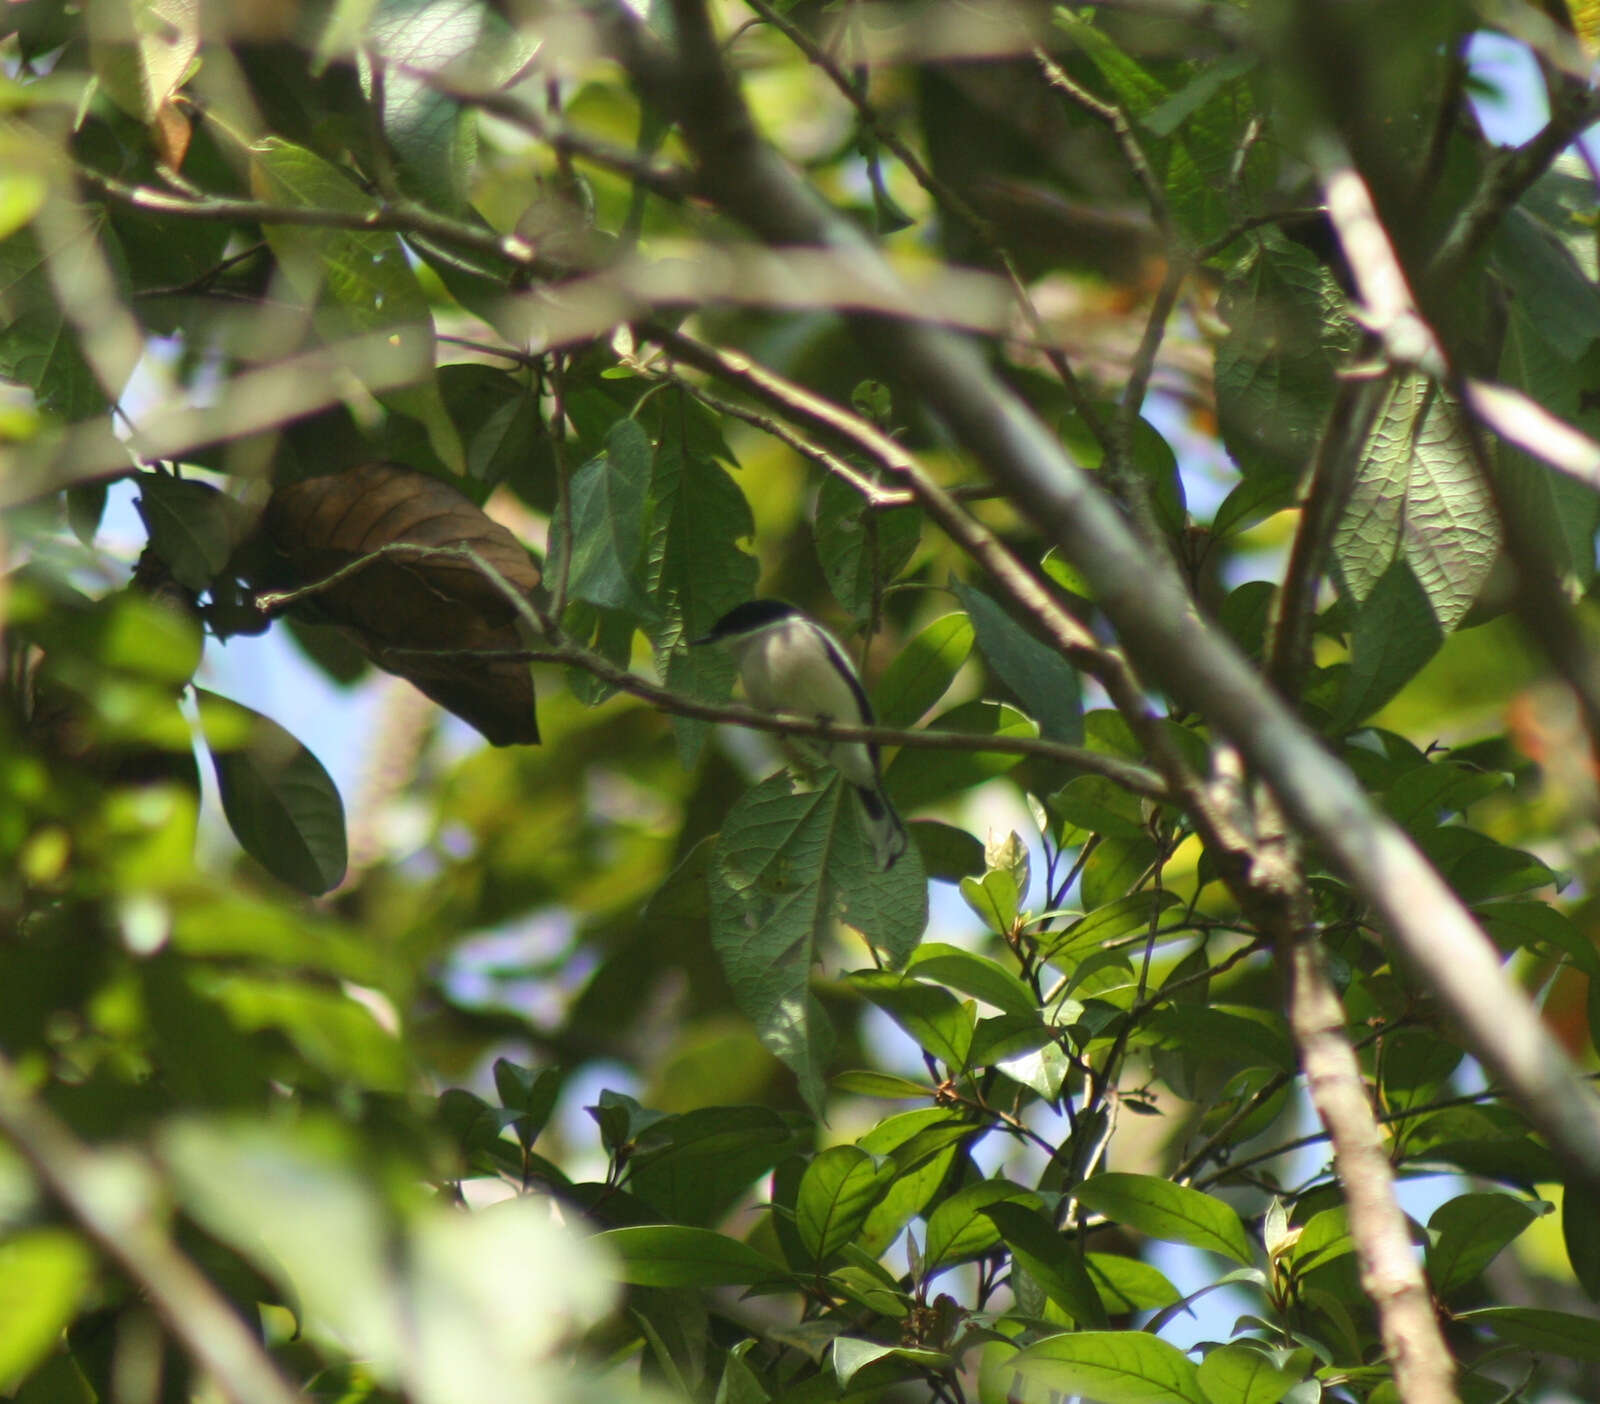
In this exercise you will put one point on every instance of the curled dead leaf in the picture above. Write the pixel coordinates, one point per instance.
(395, 606)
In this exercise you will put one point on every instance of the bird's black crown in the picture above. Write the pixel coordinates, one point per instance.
(748, 617)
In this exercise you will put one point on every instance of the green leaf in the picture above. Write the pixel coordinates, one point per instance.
(1128, 1284)
(193, 527)
(787, 865)
(497, 417)
(1172, 1213)
(361, 285)
(939, 1022)
(1096, 805)
(973, 974)
(43, 1274)
(993, 897)
(1051, 1260)
(1539, 1330)
(1237, 1374)
(861, 550)
(918, 778)
(1113, 868)
(1045, 683)
(1111, 1367)
(960, 1228)
(1468, 1232)
(665, 1255)
(1396, 632)
(610, 506)
(1287, 330)
(922, 671)
(1580, 1231)
(280, 803)
(851, 1356)
(1105, 923)
(840, 1185)
(1242, 1037)
(1418, 502)
(696, 569)
(38, 345)
(923, 1145)
(948, 853)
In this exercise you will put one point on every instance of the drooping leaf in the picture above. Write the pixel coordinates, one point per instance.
(1044, 682)
(610, 522)
(421, 617)
(281, 804)
(1051, 1259)
(787, 865)
(922, 671)
(1468, 1233)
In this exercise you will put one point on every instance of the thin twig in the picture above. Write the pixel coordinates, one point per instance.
(562, 651)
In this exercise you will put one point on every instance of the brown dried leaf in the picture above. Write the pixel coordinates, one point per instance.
(320, 525)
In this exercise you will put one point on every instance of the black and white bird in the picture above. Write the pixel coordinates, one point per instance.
(791, 665)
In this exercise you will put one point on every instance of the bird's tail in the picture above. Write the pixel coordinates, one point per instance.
(884, 826)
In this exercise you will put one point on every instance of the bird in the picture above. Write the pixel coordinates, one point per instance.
(789, 664)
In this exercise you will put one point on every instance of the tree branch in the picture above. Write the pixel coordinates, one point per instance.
(1142, 596)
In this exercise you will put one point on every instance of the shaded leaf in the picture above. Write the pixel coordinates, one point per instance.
(665, 1255)
(1044, 682)
(395, 603)
(281, 804)
(1173, 1213)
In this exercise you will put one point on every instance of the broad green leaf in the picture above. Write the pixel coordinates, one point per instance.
(1172, 1213)
(43, 1274)
(1580, 1231)
(1097, 805)
(1113, 868)
(1236, 1374)
(696, 570)
(917, 778)
(280, 803)
(948, 853)
(1007, 1037)
(1112, 1367)
(960, 1227)
(973, 974)
(861, 550)
(665, 1255)
(1129, 1284)
(497, 417)
(1396, 632)
(1540, 928)
(610, 507)
(1414, 1065)
(1423, 795)
(993, 897)
(840, 1185)
(360, 284)
(922, 671)
(851, 1355)
(939, 1022)
(1287, 331)
(1468, 1232)
(1548, 288)
(787, 865)
(1419, 502)
(922, 1144)
(1106, 923)
(1242, 1037)
(1253, 500)
(1540, 1330)
(192, 527)
(1044, 682)
(38, 346)
(1053, 1261)
(529, 1092)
